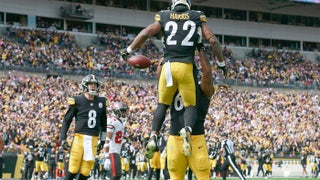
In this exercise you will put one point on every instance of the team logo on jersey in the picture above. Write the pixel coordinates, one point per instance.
(100, 105)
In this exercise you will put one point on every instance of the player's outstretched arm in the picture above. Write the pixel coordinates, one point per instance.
(147, 32)
(206, 78)
(216, 46)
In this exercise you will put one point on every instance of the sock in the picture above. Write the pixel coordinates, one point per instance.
(82, 177)
(70, 176)
(159, 117)
(190, 116)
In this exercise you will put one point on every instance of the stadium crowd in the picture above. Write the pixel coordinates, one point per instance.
(33, 107)
(52, 51)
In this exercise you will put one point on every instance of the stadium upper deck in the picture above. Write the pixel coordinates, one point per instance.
(241, 23)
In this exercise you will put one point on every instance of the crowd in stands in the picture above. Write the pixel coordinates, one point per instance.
(287, 123)
(58, 52)
(32, 108)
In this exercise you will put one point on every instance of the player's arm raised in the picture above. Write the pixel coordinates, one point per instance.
(147, 32)
(216, 46)
(206, 78)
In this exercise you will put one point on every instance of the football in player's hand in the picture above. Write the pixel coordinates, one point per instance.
(139, 61)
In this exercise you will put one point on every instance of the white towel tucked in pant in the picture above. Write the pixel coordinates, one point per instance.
(168, 74)
(87, 148)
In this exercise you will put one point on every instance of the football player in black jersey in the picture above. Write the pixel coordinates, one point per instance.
(267, 159)
(89, 111)
(41, 161)
(125, 159)
(182, 30)
(60, 158)
(198, 162)
(212, 150)
(199, 159)
(133, 162)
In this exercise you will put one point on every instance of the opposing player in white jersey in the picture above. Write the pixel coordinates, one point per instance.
(114, 140)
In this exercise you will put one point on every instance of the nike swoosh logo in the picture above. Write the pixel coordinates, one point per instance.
(199, 147)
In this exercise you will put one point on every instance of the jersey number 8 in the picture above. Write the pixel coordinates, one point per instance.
(92, 118)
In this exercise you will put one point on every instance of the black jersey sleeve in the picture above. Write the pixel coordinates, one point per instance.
(103, 123)
(68, 118)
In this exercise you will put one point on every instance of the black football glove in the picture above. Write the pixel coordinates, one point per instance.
(100, 146)
(64, 145)
(201, 47)
(223, 67)
(124, 54)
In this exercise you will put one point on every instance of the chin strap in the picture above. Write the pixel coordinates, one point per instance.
(93, 93)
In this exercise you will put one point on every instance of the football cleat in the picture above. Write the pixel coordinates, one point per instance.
(151, 146)
(186, 136)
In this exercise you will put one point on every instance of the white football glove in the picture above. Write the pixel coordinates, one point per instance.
(107, 164)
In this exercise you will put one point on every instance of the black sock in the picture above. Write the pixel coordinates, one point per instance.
(82, 177)
(190, 116)
(159, 117)
(157, 174)
(70, 176)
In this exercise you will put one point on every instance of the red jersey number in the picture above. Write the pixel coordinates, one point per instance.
(118, 138)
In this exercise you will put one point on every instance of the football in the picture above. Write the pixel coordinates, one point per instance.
(139, 61)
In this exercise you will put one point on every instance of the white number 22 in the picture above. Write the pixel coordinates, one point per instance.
(186, 41)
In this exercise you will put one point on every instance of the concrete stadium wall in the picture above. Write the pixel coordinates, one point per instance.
(137, 18)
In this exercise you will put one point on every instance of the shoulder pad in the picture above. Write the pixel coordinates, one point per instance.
(71, 101)
(106, 99)
(203, 17)
(157, 17)
(162, 11)
(107, 102)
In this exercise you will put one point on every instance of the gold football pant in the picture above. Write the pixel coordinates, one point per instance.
(60, 165)
(268, 167)
(125, 164)
(142, 166)
(178, 162)
(243, 167)
(155, 161)
(183, 78)
(213, 163)
(163, 159)
(76, 162)
(41, 166)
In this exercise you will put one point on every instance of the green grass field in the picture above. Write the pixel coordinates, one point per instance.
(275, 178)
(272, 178)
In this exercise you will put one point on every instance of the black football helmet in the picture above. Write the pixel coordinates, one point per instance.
(174, 3)
(120, 109)
(90, 79)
